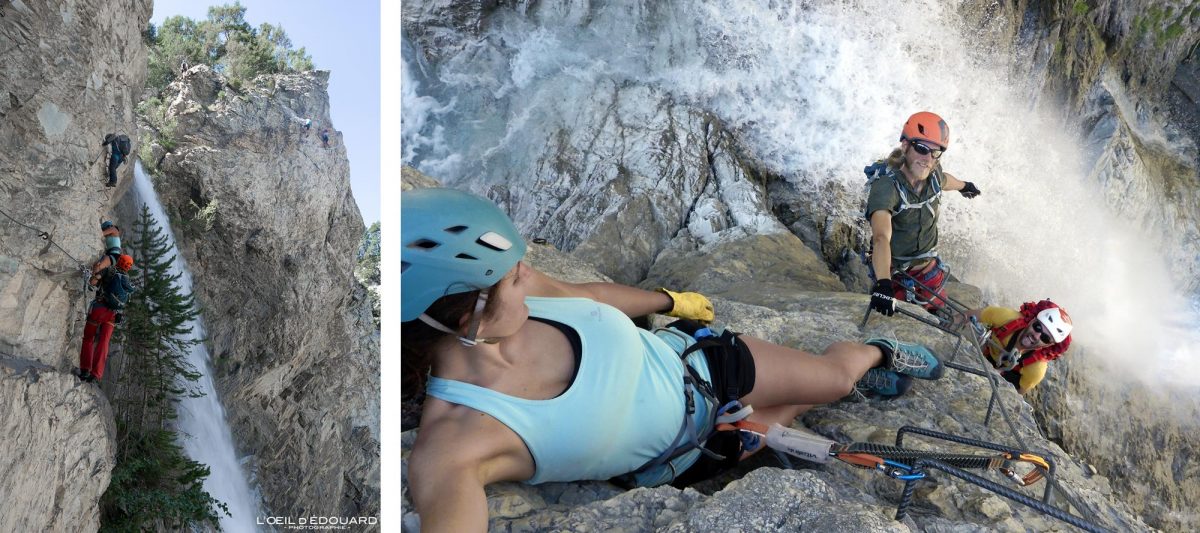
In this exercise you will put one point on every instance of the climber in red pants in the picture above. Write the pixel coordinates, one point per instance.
(114, 291)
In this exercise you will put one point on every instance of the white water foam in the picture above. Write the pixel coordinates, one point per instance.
(818, 90)
(204, 433)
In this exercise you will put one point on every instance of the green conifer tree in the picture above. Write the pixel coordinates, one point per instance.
(154, 484)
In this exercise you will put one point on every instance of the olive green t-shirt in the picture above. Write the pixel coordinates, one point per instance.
(914, 230)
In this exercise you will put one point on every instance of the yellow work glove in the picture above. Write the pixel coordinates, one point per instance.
(689, 305)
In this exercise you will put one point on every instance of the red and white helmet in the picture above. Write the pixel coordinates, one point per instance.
(1057, 322)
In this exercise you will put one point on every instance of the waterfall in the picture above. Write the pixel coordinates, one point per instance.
(205, 434)
(815, 91)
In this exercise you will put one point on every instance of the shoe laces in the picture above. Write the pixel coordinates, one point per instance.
(874, 379)
(905, 359)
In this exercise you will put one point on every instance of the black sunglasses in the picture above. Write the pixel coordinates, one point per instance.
(1042, 333)
(925, 150)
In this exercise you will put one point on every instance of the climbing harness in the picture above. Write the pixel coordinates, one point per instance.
(691, 437)
(928, 274)
(1007, 358)
(954, 312)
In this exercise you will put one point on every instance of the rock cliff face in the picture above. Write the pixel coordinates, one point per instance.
(769, 495)
(1107, 69)
(57, 440)
(69, 73)
(624, 153)
(1114, 68)
(265, 218)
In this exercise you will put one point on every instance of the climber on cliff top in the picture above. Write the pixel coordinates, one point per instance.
(1026, 340)
(111, 235)
(120, 147)
(902, 207)
(535, 379)
(105, 311)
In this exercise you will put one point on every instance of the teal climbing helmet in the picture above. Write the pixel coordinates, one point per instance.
(453, 242)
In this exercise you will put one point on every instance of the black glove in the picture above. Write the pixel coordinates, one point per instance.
(969, 190)
(120, 318)
(883, 297)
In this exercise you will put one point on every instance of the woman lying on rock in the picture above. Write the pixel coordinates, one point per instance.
(534, 379)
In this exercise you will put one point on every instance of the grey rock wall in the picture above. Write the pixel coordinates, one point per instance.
(69, 73)
(58, 444)
(1106, 69)
(1110, 67)
(264, 216)
(1152, 463)
(766, 494)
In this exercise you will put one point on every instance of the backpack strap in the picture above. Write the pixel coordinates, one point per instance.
(928, 202)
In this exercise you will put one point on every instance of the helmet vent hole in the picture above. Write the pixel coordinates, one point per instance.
(494, 241)
(456, 229)
(466, 256)
(404, 266)
(425, 244)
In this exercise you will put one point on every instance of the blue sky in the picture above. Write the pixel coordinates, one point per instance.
(342, 38)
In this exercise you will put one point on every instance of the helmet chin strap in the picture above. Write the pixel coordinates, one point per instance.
(473, 330)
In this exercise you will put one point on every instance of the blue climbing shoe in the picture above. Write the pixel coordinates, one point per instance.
(909, 359)
(882, 384)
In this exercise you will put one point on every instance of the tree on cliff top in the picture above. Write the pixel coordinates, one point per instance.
(223, 41)
(154, 484)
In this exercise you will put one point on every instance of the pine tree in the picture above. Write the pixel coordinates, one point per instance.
(154, 484)
(224, 41)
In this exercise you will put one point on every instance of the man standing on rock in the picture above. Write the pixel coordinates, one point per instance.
(114, 291)
(902, 207)
(119, 148)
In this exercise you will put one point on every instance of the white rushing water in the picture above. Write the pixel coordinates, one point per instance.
(205, 434)
(815, 91)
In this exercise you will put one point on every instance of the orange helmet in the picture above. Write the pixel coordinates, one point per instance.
(928, 127)
(125, 262)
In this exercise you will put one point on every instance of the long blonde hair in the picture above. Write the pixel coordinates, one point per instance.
(895, 160)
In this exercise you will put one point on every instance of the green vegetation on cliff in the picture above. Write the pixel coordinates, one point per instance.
(367, 269)
(154, 484)
(223, 41)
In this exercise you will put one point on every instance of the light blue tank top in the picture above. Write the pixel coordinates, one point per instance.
(624, 408)
(112, 242)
